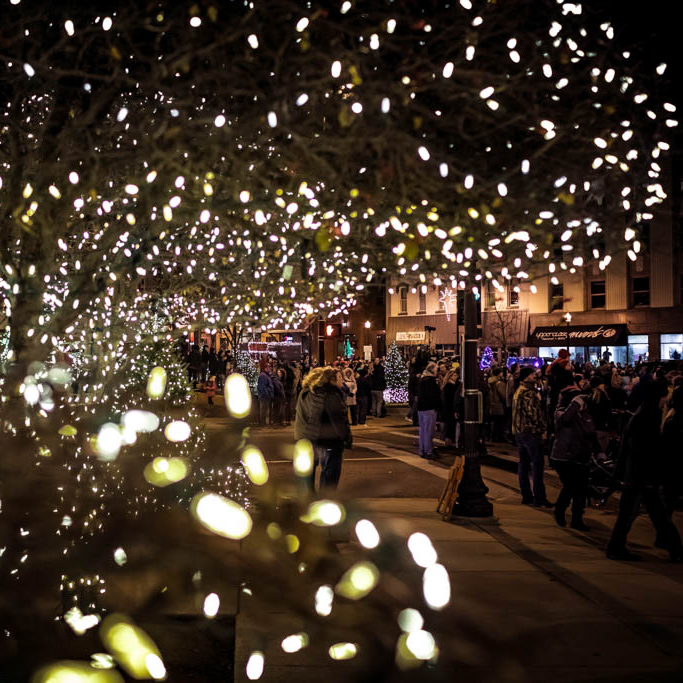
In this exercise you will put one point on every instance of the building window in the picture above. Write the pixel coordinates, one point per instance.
(490, 296)
(403, 300)
(640, 291)
(556, 302)
(513, 298)
(422, 302)
(671, 346)
(638, 348)
(597, 291)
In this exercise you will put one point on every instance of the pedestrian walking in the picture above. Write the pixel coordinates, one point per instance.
(278, 407)
(428, 405)
(210, 388)
(496, 402)
(452, 408)
(379, 384)
(528, 426)
(351, 400)
(321, 417)
(640, 467)
(265, 392)
(575, 441)
(363, 394)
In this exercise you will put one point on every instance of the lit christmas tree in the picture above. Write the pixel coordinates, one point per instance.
(486, 359)
(396, 375)
(245, 366)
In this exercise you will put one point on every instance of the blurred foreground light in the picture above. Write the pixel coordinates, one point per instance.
(422, 549)
(343, 651)
(75, 672)
(295, 642)
(367, 534)
(237, 395)
(324, 597)
(79, 622)
(211, 605)
(255, 465)
(255, 665)
(67, 430)
(59, 375)
(303, 458)
(177, 431)
(120, 557)
(108, 441)
(358, 581)
(156, 383)
(421, 644)
(140, 421)
(165, 471)
(410, 620)
(324, 513)
(436, 586)
(221, 515)
(132, 648)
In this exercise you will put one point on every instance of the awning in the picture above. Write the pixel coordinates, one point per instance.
(579, 335)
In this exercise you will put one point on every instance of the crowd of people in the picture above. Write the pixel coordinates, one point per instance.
(631, 417)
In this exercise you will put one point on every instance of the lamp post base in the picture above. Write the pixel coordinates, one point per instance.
(472, 500)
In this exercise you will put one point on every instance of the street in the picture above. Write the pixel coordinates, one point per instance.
(551, 600)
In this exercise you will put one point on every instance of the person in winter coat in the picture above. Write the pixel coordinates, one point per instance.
(266, 393)
(321, 417)
(560, 375)
(379, 384)
(413, 380)
(210, 388)
(575, 442)
(640, 467)
(452, 408)
(194, 364)
(428, 405)
(496, 401)
(351, 402)
(528, 426)
(214, 364)
(278, 406)
(672, 448)
(363, 394)
(600, 408)
(205, 362)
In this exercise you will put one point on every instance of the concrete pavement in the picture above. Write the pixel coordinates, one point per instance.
(551, 605)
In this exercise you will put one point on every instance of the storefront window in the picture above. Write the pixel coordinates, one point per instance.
(598, 294)
(403, 300)
(672, 346)
(637, 348)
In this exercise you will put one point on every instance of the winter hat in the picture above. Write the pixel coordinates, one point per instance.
(597, 380)
(524, 374)
(430, 370)
(563, 354)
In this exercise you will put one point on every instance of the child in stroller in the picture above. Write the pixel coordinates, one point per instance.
(602, 482)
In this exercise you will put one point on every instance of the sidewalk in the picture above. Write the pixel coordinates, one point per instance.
(556, 609)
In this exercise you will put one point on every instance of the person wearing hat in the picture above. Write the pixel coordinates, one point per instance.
(599, 407)
(560, 374)
(528, 426)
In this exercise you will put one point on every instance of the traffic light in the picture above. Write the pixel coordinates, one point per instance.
(330, 330)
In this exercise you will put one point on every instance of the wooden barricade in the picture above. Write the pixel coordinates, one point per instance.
(450, 493)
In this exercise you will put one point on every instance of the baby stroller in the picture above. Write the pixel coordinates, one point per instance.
(602, 480)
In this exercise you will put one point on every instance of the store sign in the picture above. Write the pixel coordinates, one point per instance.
(579, 335)
(411, 337)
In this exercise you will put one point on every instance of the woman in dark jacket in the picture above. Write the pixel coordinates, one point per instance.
(428, 404)
(452, 407)
(640, 467)
(363, 394)
(322, 418)
(600, 409)
(575, 441)
(672, 446)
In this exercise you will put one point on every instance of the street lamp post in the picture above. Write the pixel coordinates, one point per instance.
(472, 501)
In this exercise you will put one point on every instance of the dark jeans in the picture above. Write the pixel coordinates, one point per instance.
(531, 460)
(574, 478)
(276, 416)
(354, 413)
(264, 410)
(330, 460)
(631, 498)
(362, 404)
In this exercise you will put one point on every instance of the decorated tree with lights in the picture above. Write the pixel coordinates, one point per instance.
(246, 367)
(396, 372)
(254, 165)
